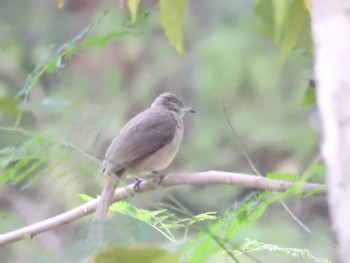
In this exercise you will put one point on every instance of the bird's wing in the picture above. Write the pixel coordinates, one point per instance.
(143, 135)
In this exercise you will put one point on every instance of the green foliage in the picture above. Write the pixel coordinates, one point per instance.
(53, 60)
(136, 255)
(60, 3)
(315, 172)
(10, 105)
(296, 20)
(226, 228)
(249, 246)
(126, 29)
(230, 58)
(133, 6)
(83, 40)
(173, 14)
(23, 159)
(35, 158)
(310, 94)
(161, 220)
(103, 41)
(284, 176)
(218, 236)
(286, 24)
(300, 180)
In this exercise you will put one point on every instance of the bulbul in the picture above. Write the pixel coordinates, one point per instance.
(148, 143)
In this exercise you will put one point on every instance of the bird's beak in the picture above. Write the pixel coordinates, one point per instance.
(188, 109)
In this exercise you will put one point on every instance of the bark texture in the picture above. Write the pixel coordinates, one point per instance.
(331, 34)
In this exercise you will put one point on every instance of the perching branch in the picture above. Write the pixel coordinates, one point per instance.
(200, 178)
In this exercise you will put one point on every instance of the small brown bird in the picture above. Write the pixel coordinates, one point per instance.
(147, 143)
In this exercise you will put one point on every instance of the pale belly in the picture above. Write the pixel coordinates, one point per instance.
(161, 159)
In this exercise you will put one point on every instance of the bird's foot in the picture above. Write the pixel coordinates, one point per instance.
(137, 183)
(159, 177)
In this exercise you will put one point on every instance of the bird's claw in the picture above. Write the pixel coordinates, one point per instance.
(159, 177)
(137, 183)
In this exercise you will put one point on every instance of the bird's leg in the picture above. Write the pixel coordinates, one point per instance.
(137, 183)
(160, 177)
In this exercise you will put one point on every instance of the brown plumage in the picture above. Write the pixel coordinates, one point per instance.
(147, 143)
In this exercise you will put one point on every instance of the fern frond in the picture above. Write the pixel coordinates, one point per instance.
(18, 162)
(284, 176)
(161, 220)
(225, 228)
(250, 246)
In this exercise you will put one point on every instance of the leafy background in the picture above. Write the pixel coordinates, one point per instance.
(84, 69)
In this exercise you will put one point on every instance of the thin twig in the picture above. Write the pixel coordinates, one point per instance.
(289, 211)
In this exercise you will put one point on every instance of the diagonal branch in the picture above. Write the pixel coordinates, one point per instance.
(199, 178)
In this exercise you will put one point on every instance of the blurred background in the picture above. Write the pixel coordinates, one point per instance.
(85, 102)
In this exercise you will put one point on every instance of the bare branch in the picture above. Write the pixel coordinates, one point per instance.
(200, 178)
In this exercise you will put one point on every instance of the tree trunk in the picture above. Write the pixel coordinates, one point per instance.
(331, 34)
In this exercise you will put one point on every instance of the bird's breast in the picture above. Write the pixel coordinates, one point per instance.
(160, 159)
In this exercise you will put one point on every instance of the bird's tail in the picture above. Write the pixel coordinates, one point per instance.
(105, 200)
(95, 234)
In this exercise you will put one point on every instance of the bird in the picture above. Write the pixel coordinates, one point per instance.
(147, 144)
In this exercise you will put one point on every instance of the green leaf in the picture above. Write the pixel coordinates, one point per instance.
(310, 94)
(60, 4)
(85, 198)
(173, 14)
(307, 4)
(279, 12)
(265, 24)
(9, 105)
(285, 23)
(71, 50)
(103, 41)
(52, 66)
(127, 29)
(296, 20)
(136, 255)
(133, 6)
